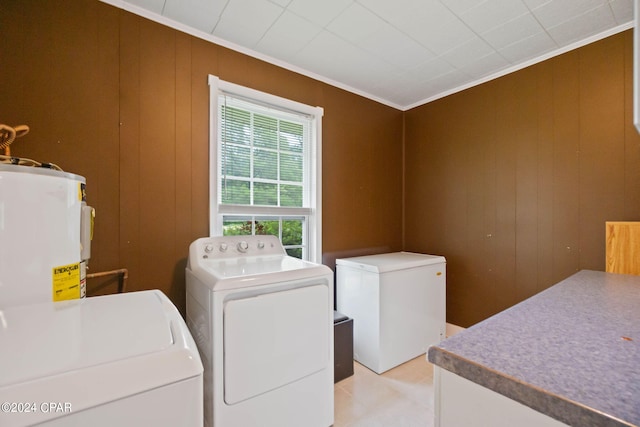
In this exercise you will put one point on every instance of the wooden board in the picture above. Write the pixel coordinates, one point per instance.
(623, 247)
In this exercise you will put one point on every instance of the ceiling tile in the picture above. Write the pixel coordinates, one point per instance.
(356, 24)
(366, 30)
(403, 96)
(492, 13)
(529, 48)
(429, 69)
(326, 50)
(558, 11)
(447, 81)
(283, 3)
(395, 11)
(441, 36)
(429, 23)
(319, 12)
(396, 48)
(622, 10)
(404, 90)
(485, 66)
(467, 53)
(287, 36)
(461, 6)
(378, 75)
(411, 12)
(245, 21)
(392, 84)
(154, 6)
(592, 22)
(510, 32)
(325, 45)
(200, 14)
(533, 4)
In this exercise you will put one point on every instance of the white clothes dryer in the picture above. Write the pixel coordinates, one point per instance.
(263, 322)
(117, 360)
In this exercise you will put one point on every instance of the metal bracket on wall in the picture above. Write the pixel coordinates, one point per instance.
(122, 273)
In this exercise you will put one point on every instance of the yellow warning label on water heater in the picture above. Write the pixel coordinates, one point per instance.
(66, 282)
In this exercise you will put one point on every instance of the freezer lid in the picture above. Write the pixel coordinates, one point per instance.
(49, 339)
(383, 263)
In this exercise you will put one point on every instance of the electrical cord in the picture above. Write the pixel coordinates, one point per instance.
(28, 162)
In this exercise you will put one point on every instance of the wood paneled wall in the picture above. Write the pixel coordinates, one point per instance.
(514, 179)
(511, 180)
(124, 102)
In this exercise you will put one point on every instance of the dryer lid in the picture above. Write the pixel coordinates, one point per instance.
(234, 273)
(232, 262)
(250, 266)
(46, 339)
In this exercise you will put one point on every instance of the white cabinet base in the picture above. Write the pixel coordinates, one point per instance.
(462, 403)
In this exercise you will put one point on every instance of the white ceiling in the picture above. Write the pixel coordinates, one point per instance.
(402, 53)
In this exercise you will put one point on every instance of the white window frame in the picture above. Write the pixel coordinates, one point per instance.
(313, 212)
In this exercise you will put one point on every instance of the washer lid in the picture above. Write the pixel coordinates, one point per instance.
(383, 263)
(85, 353)
(46, 339)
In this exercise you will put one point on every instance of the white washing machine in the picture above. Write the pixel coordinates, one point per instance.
(118, 360)
(263, 322)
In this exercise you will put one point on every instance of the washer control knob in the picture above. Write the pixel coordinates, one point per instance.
(223, 247)
(243, 246)
(260, 245)
(208, 248)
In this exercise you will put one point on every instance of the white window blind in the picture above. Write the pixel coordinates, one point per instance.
(262, 155)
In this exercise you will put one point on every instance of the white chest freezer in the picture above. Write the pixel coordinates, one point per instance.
(117, 360)
(397, 302)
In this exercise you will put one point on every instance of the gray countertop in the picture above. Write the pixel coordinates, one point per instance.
(571, 352)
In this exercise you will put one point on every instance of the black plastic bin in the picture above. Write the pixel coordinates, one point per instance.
(342, 347)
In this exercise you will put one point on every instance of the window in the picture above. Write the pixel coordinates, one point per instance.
(265, 167)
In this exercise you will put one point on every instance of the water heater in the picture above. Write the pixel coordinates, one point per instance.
(45, 235)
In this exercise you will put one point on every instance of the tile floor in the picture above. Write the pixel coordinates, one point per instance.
(400, 397)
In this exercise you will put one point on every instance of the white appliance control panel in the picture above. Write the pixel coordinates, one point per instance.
(222, 247)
